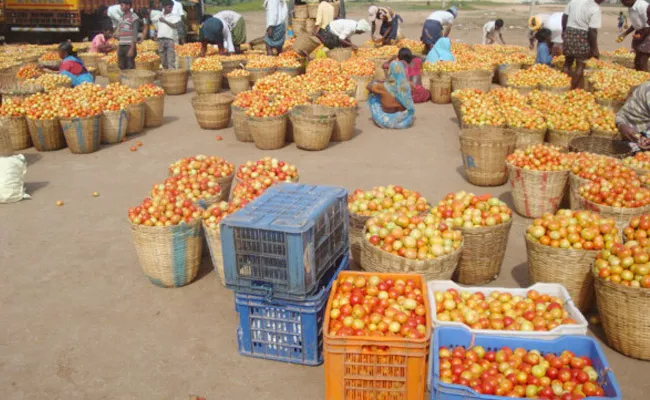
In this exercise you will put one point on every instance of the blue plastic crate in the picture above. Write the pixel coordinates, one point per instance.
(580, 345)
(283, 242)
(282, 330)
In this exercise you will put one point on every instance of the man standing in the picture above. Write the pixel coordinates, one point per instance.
(552, 22)
(580, 24)
(127, 35)
(324, 16)
(389, 23)
(236, 26)
(276, 28)
(490, 31)
(178, 10)
(167, 35)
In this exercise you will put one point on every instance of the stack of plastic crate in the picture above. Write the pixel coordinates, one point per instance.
(281, 254)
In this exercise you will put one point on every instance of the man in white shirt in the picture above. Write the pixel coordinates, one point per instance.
(491, 29)
(167, 35)
(552, 22)
(433, 26)
(339, 32)
(639, 12)
(236, 26)
(580, 24)
(177, 9)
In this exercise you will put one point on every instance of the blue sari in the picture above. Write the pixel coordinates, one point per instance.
(441, 51)
(398, 86)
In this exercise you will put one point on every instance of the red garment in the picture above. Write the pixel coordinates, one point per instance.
(71, 66)
(413, 69)
(418, 92)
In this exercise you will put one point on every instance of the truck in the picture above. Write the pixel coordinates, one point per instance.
(51, 21)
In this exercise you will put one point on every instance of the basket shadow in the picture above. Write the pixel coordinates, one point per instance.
(461, 172)
(596, 330)
(455, 120)
(168, 119)
(506, 197)
(33, 187)
(206, 266)
(520, 274)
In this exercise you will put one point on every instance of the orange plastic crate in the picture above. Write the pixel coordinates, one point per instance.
(376, 368)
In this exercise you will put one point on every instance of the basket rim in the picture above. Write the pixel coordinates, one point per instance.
(509, 165)
(570, 250)
(81, 118)
(645, 292)
(481, 229)
(170, 228)
(617, 210)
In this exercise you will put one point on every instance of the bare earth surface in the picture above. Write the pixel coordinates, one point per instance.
(79, 319)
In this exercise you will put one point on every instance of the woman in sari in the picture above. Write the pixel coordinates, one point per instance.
(441, 51)
(72, 66)
(633, 120)
(391, 104)
(413, 70)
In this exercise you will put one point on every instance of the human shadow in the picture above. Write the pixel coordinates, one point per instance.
(520, 274)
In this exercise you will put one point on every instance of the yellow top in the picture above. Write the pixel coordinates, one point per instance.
(325, 14)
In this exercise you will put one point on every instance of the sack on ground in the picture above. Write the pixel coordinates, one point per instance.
(12, 178)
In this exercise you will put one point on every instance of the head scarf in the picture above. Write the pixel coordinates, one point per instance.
(372, 13)
(534, 23)
(441, 51)
(398, 85)
(363, 25)
(454, 11)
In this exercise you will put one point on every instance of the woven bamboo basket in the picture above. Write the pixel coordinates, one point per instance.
(299, 27)
(212, 111)
(82, 135)
(484, 152)
(135, 120)
(46, 134)
(536, 192)
(605, 134)
(610, 103)
(240, 124)
(102, 67)
(640, 171)
(312, 10)
(19, 90)
(576, 202)
(143, 65)
(90, 60)
(361, 93)
(622, 215)
(555, 89)
(185, 62)
(374, 259)
(456, 104)
(310, 25)
(18, 132)
(170, 256)
(114, 125)
(483, 251)
(426, 79)
(627, 62)
(213, 238)
(307, 43)
(268, 133)
(154, 110)
(50, 64)
(259, 73)
(113, 73)
(300, 12)
(258, 44)
(206, 82)
(504, 71)
(528, 137)
(356, 230)
(238, 84)
(481, 80)
(174, 81)
(312, 127)
(6, 148)
(598, 145)
(340, 54)
(569, 267)
(440, 87)
(344, 124)
(524, 90)
(562, 138)
(380, 74)
(291, 71)
(624, 315)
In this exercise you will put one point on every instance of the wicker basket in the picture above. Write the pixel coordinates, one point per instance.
(82, 135)
(613, 104)
(427, 76)
(440, 87)
(624, 314)
(627, 62)
(240, 124)
(373, 259)
(562, 138)
(90, 60)
(114, 125)
(18, 132)
(238, 84)
(135, 120)
(505, 70)
(555, 89)
(356, 230)
(213, 239)
(310, 26)
(301, 11)
(170, 256)
(113, 73)
(174, 81)
(344, 124)
(268, 133)
(212, 111)
(622, 215)
(536, 192)
(599, 145)
(380, 74)
(55, 64)
(206, 82)
(46, 134)
(481, 80)
(299, 26)
(484, 151)
(19, 90)
(312, 10)
(312, 127)
(597, 133)
(6, 148)
(483, 251)
(259, 73)
(528, 137)
(340, 54)
(154, 110)
(291, 71)
(185, 62)
(569, 267)
(361, 93)
(135, 78)
(102, 67)
(456, 103)
(305, 44)
(524, 90)
(576, 202)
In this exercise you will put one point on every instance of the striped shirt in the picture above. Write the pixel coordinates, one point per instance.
(127, 29)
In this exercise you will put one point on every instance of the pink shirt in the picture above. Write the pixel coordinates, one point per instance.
(98, 40)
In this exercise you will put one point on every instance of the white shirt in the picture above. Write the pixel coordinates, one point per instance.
(155, 15)
(276, 12)
(583, 15)
(554, 24)
(230, 18)
(178, 8)
(164, 30)
(227, 36)
(115, 13)
(488, 29)
(343, 28)
(444, 17)
(639, 14)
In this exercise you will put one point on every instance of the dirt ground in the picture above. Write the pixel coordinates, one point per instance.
(80, 320)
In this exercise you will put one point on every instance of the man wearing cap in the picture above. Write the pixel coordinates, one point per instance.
(432, 29)
(339, 32)
(552, 22)
(389, 23)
